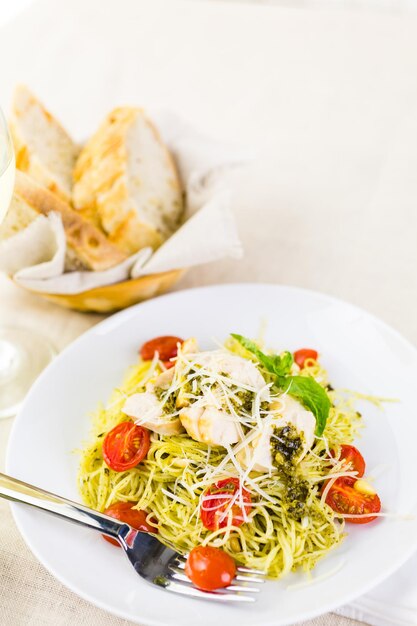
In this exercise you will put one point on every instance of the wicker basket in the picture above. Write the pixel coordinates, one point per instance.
(117, 296)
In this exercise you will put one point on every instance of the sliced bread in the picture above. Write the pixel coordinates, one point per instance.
(87, 246)
(43, 148)
(126, 182)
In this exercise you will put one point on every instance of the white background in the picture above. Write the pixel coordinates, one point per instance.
(10, 8)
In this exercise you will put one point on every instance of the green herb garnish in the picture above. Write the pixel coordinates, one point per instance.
(312, 396)
(276, 364)
(304, 388)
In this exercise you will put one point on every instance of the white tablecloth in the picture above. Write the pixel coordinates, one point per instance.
(326, 100)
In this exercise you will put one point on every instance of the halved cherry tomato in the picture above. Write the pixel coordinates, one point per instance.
(353, 457)
(300, 356)
(210, 568)
(125, 446)
(216, 509)
(168, 364)
(346, 500)
(124, 512)
(166, 346)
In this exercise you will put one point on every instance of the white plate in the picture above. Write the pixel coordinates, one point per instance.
(359, 351)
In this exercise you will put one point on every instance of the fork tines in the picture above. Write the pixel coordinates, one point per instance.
(235, 592)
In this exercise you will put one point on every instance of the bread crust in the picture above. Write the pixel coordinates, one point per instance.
(103, 181)
(32, 128)
(86, 243)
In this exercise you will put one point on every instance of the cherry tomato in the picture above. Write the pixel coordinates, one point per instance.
(215, 509)
(345, 499)
(300, 356)
(353, 457)
(166, 346)
(124, 512)
(210, 568)
(125, 446)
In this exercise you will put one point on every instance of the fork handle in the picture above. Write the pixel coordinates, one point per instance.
(19, 491)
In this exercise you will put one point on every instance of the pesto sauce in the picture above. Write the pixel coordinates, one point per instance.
(243, 402)
(246, 399)
(296, 496)
(286, 446)
(193, 390)
(169, 405)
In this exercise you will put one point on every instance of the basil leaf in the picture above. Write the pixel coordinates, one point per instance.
(276, 364)
(304, 388)
(284, 366)
(312, 396)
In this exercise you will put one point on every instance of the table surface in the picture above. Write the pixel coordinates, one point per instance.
(328, 102)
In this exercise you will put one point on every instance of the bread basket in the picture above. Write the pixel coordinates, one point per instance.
(109, 298)
(51, 245)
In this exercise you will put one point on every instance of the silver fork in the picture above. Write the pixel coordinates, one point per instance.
(154, 562)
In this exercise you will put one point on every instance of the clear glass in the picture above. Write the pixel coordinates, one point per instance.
(23, 353)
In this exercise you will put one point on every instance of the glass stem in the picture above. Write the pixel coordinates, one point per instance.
(9, 360)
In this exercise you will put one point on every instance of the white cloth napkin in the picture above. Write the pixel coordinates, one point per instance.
(35, 257)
